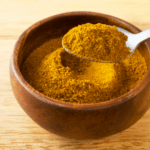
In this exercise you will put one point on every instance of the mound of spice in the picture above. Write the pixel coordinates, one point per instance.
(97, 42)
(59, 75)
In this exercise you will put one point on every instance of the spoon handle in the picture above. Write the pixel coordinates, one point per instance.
(142, 36)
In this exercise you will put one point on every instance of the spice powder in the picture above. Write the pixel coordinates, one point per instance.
(59, 75)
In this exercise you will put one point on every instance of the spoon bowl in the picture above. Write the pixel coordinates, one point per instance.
(132, 42)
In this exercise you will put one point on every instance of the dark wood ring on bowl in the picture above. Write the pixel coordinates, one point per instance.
(80, 121)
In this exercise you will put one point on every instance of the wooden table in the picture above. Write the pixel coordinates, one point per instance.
(17, 130)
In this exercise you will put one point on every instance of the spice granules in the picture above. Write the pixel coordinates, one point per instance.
(98, 42)
(59, 75)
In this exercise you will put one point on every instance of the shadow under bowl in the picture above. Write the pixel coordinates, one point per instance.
(78, 121)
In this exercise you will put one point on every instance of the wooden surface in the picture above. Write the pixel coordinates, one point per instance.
(17, 130)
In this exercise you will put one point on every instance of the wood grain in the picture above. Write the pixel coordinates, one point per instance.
(17, 130)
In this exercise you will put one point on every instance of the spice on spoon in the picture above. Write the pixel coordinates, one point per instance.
(98, 42)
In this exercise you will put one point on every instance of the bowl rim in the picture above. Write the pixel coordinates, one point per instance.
(67, 105)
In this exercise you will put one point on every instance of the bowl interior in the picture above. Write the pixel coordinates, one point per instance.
(58, 25)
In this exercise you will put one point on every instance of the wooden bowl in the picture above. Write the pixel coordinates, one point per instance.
(79, 121)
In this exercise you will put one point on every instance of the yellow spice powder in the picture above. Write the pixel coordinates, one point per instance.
(99, 42)
(59, 75)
